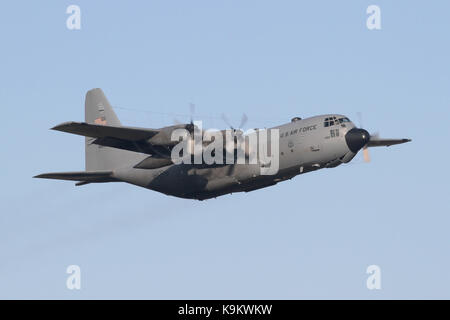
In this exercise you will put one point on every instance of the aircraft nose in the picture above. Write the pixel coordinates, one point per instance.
(356, 139)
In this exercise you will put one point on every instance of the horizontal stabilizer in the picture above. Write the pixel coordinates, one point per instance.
(83, 176)
(103, 131)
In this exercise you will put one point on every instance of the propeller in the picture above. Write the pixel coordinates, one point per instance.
(190, 125)
(366, 155)
(192, 112)
(237, 131)
(244, 120)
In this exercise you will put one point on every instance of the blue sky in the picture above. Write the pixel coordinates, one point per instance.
(310, 237)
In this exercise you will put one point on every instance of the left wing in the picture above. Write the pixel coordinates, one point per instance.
(104, 131)
(378, 142)
(149, 141)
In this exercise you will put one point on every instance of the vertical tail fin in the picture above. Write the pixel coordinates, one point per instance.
(99, 111)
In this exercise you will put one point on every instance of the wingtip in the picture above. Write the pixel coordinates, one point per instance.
(43, 176)
(60, 126)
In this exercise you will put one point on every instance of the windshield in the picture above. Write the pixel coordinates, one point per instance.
(331, 121)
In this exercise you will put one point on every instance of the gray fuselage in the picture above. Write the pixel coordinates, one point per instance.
(304, 145)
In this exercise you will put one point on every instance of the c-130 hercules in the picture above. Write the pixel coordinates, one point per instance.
(116, 153)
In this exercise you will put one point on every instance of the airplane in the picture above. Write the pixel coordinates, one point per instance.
(142, 157)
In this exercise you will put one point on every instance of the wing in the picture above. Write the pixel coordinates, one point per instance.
(378, 142)
(103, 131)
(127, 138)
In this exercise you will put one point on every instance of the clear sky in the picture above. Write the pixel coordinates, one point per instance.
(310, 237)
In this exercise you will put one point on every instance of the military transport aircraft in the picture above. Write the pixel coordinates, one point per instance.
(116, 153)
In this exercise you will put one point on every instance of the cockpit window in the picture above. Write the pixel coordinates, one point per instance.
(342, 120)
(331, 121)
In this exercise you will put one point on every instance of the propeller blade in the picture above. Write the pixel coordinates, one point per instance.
(360, 119)
(192, 111)
(366, 154)
(225, 119)
(244, 120)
